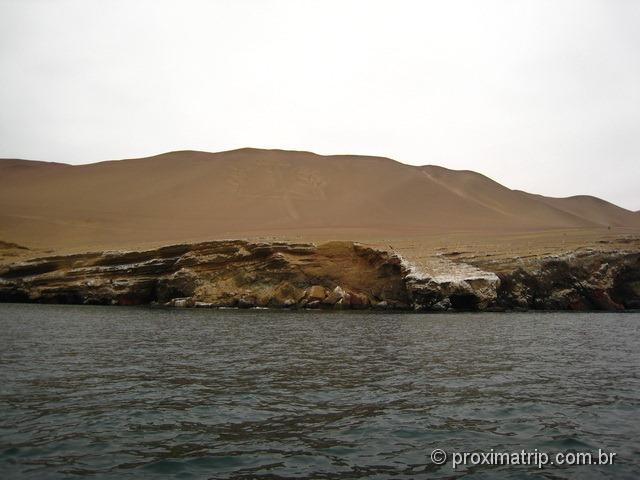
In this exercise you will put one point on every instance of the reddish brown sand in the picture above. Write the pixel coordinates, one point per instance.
(273, 194)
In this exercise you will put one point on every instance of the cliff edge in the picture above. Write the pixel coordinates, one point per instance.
(335, 275)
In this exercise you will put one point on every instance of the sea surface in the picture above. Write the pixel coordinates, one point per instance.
(115, 392)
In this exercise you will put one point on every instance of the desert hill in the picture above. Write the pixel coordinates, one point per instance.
(190, 195)
(598, 210)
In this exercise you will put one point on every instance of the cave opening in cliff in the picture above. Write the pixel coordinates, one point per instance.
(464, 302)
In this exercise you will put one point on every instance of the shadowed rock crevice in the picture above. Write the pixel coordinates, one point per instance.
(467, 302)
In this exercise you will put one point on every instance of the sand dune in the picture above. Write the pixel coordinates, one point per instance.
(597, 210)
(188, 196)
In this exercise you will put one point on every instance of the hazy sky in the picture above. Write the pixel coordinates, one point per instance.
(540, 95)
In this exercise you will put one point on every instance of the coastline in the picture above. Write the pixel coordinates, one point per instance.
(330, 276)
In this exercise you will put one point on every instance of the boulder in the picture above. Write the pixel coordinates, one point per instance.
(359, 300)
(285, 295)
(316, 292)
(334, 296)
(182, 302)
(383, 305)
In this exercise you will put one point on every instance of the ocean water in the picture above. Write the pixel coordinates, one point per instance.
(113, 392)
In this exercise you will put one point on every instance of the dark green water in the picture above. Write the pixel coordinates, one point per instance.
(141, 393)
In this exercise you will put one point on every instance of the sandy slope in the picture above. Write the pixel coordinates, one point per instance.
(188, 196)
(598, 210)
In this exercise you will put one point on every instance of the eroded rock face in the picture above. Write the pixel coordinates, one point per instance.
(579, 281)
(476, 293)
(337, 275)
(217, 274)
(585, 280)
(450, 286)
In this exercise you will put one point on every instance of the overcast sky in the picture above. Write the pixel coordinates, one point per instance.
(539, 95)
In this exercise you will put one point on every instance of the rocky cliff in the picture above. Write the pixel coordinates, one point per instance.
(336, 275)
(221, 274)
(577, 281)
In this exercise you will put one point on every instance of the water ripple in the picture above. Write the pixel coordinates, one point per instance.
(142, 393)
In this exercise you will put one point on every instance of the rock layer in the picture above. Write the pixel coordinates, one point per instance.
(589, 280)
(336, 275)
(220, 274)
